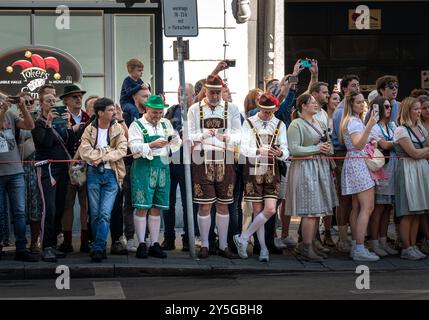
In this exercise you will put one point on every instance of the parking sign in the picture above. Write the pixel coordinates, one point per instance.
(180, 18)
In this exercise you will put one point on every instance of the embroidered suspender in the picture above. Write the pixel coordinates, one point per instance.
(145, 133)
(259, 142)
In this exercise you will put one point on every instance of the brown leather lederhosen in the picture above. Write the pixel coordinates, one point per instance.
(258, 185)
(214, 179)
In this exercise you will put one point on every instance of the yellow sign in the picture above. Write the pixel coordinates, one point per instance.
(363, 18)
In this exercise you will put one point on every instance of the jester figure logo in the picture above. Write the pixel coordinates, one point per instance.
(27, 69)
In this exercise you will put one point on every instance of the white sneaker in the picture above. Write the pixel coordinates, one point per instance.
(409, 254)
(130, 246)
(389, 249)
(289, 242)
(241, 247)
(419, 253)
(264, 255)
(279, 244)
(364, 255)
(379, 251)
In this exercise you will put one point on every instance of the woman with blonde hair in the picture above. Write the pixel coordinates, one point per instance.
(412, 175)
(251, 102)
(355, 176)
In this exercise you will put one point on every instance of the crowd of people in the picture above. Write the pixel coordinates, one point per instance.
(312, 156)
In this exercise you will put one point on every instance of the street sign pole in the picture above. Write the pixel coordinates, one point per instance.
(181, 20)
(186, 148)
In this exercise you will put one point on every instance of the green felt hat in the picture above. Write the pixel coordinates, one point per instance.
(156, 102)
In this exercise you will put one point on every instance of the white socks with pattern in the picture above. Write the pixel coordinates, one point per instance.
(257, 223)
(140, 226)
(204, 223)
(153, 226)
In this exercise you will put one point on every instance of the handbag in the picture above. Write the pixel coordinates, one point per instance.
(77, 171)
(375, 160)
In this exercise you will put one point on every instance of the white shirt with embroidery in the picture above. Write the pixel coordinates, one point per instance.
(196, 136)
(248, 146)
(136, 141)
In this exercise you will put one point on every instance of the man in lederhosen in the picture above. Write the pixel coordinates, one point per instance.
(264, 143)
(214, 127)
(150, 139)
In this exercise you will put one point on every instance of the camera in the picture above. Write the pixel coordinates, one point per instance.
(230, 63)
(306, 63)
(14, 99)
(376, 111)
(293, 79)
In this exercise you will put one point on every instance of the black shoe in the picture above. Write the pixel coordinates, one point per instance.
(168, 245)
(104, 254)
(6, 243)
(141, 251)
(84, 247)
(97, 256)
(25, 256)
(66, 247)
(156, 251)
(58, 253)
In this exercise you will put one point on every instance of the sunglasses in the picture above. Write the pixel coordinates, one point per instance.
(76, 97)
(392, 86)
(29, 102)
(387, 106)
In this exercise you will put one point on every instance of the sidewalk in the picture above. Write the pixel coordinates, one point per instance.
(181, 264)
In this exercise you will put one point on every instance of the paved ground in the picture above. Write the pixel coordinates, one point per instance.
(180, 263)
(236, 288)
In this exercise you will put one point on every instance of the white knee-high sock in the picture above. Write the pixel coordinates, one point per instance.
(140, 226)
(261, 237)
(254, 226)
(222, 222)
(154, 223)
(204, 223)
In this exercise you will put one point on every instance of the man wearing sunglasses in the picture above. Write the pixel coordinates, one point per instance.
(72, 98)
(387, 87)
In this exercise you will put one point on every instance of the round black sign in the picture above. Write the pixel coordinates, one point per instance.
(26, 69)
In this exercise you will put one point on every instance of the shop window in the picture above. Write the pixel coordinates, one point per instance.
(84, 39)
(15, 26)
(133, 39)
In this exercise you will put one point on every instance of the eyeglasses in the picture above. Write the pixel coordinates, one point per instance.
(29, 102)
(392, 86)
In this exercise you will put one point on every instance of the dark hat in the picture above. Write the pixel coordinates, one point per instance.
(70, 89)
(156, 102)
(214, 82)
(268, 102)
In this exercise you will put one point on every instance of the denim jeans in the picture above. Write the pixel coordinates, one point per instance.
(102, 190)
(14, 187)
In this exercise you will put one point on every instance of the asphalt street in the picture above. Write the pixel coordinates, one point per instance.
(296, 286)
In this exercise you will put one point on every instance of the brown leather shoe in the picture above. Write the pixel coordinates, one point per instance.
(204, 253)
(227, 253)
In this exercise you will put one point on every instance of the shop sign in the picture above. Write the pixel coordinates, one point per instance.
(26, 69)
